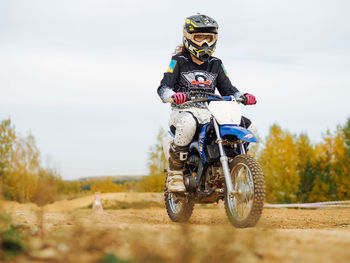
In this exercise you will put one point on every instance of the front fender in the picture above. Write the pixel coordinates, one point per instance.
(241, 133)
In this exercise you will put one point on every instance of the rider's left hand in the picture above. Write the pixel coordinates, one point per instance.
(250, 99)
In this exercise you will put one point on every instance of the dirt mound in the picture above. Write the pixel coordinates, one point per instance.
(71, 234)
(84, 202)
(15, 206)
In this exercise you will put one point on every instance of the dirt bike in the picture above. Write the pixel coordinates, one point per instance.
(218, 167)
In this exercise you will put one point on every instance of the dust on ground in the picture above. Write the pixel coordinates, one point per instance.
(66, 231)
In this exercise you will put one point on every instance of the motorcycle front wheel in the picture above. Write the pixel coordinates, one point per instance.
(244, 206)
(177, 209)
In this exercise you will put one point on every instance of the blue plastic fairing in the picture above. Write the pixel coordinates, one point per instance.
(241, 133)
(201, 140)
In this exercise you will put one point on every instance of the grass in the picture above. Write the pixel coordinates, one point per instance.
(11, 243)
(342, 224)
(111, 258)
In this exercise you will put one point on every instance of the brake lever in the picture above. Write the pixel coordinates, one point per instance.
(242, 100)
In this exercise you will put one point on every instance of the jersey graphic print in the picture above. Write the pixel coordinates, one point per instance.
(171, 66)
(223, 68)
(199, 79)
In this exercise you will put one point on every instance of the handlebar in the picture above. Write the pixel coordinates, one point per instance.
(193, 97)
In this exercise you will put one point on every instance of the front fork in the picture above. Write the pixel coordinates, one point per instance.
(224, 160)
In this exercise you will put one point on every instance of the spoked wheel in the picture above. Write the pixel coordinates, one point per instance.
(179, 207)
(178, 210)
(244, 206)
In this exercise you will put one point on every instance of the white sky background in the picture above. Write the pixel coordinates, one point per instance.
(82, 75)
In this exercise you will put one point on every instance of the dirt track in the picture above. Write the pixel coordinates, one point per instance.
(282, 235)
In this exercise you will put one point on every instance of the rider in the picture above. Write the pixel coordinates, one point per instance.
(193, 68)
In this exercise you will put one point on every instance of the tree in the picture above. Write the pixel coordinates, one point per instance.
(23, 170)
(278, 160)
(157, 163)
(21, 175)
(106, 185)
(156, 158)
(7, 141)
(49, 187)
(332, 166)
(346, 132)
(305, 169)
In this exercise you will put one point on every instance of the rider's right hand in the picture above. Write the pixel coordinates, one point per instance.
(248, 99)
(179, 97)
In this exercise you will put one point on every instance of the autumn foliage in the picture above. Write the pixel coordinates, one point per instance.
(298, 171)
(157, 164)
(295, 169)
(22, 177)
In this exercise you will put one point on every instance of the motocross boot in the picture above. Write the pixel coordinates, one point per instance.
(177, 159)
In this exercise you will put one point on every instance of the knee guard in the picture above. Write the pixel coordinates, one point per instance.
(186, 126)
(178, 156)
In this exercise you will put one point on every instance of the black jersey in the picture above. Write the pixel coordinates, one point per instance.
(183, 75)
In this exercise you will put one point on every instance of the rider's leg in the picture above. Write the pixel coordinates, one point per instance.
(185, 126)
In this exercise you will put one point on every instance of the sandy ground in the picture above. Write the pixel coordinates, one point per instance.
(67, 231)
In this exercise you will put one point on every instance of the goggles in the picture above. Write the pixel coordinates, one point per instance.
(200, 38)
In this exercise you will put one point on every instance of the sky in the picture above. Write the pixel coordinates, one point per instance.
(81, 75)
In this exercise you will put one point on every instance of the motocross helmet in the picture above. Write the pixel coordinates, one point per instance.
(200, 35)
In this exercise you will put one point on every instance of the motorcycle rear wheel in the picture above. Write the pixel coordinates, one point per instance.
(244, 208)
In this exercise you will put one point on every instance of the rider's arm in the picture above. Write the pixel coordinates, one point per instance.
(166, 88)
(224, 84)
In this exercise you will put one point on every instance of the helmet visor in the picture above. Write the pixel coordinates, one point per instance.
(201, 38)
